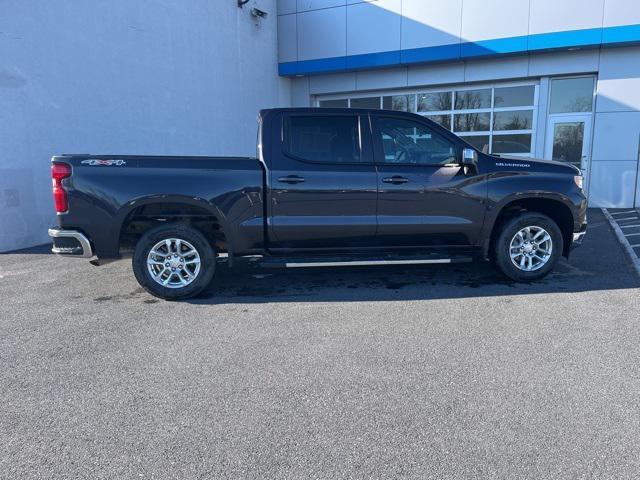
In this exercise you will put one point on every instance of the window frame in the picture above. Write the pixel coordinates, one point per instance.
(285, 137)
(378, 145)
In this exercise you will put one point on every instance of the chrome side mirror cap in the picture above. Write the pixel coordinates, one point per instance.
(469, 157)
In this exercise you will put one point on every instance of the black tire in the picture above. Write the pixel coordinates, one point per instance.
(501, 248)
(184, 233)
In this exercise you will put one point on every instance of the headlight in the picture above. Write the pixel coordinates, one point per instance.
(578, 180)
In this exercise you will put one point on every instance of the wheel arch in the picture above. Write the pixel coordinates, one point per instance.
(142, 214)
(553, 207)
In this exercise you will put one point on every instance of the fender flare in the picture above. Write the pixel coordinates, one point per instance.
(123, 213)
(496, 208)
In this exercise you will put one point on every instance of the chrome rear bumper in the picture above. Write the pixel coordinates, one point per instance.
(70, 243)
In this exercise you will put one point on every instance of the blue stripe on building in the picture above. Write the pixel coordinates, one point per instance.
(592, 37)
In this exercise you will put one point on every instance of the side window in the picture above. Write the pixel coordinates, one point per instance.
(323, 138)
(406, 141)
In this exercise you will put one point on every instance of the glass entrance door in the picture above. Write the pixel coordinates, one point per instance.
(568, 140)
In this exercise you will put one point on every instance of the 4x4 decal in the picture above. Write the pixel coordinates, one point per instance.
(109, 163)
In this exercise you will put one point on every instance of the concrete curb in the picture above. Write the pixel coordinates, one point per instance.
(623, 240)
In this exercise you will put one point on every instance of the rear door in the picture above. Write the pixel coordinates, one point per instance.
(322, 182)
(425, 197)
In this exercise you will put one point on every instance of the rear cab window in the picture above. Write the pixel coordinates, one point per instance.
(323, 138)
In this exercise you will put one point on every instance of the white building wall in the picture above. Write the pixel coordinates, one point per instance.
(343, 29)
(138, 77)
(616, 139)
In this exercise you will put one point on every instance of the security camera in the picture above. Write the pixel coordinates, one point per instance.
(256, 12)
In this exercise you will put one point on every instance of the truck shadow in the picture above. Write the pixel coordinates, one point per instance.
(600, 264)
(348, 284)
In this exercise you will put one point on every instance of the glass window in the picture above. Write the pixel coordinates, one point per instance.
(481, 142)
(481, 112)
(434, 102)
(472, 122)
(406, 141)
(513, 120)
(368, 102)
(473, 99)
(516, 144)
(341, 103)
(401, 103)
(567, 142)
(514, 96)
(571, 95)
(442, 120)
(324, 138)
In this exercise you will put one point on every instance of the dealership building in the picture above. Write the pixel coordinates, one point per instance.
(553, 79)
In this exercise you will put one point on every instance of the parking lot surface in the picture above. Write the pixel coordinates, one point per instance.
(381, 372)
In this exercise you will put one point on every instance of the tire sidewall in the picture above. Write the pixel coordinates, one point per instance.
(195, 238)
(503, 242)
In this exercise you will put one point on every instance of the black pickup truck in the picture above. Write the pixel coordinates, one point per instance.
(329, 187)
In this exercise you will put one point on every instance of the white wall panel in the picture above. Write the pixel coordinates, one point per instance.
(332, 82)
(618, 94)
(427, 23)
(286, 7)
(562, 63)
(541, 125)
(322, 33)
(563, 15)
(287, 38)
(612, 184)
(621, 12)
(496, 69)
(619, 80)
(435, 74)
(300, 94)
(489, 19)
(373, 79)
(616, 136)
(373, 27)
(304, 5)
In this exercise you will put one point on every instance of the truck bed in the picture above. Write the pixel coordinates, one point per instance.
(104, 191)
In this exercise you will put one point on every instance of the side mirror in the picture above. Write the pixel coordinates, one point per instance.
(469, 157)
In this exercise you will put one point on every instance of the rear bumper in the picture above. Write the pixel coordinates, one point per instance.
(70, 243)
(578, 236)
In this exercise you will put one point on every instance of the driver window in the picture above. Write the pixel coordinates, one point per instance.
(406, 141)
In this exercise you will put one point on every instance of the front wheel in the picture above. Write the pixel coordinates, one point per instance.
(528, 247)
(173, 262)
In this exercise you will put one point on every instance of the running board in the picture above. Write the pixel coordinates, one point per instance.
(340, 262)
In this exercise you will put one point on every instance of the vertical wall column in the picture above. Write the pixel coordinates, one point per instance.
(616, 140)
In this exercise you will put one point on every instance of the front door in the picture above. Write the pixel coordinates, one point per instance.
(322, 183)
(425, 197)
(569, 140)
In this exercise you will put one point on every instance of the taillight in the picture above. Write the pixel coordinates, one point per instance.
(58, 172)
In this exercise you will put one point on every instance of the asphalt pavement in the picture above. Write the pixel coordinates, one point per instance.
(380, 372)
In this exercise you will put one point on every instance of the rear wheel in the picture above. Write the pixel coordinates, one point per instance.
(173, 262)
(528, 247)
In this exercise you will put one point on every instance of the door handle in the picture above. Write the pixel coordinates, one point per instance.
(396, 180)
(291, 179)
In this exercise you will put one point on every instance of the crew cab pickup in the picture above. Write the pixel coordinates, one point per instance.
(328, 187)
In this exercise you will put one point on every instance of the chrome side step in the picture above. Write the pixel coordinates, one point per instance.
(361, 263)
(357, 262)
